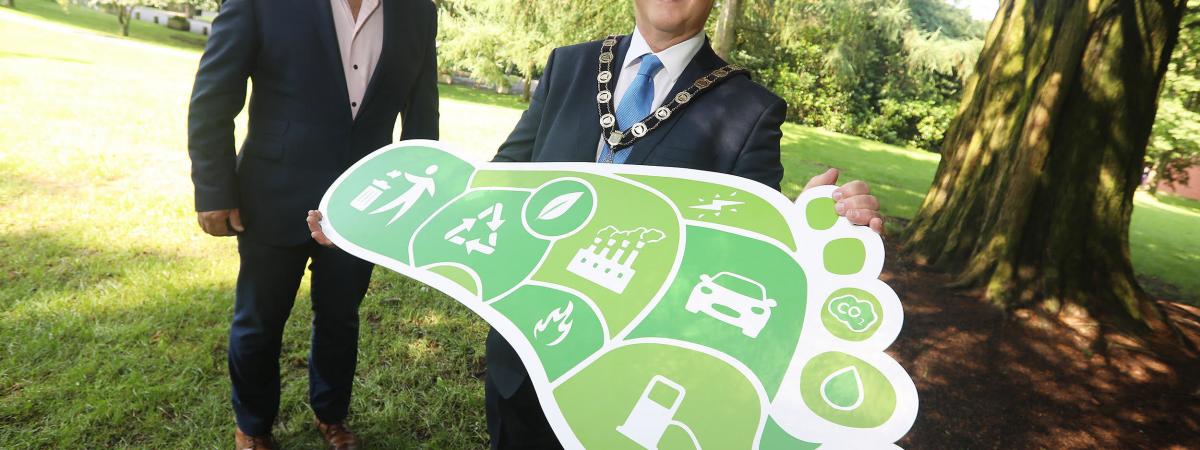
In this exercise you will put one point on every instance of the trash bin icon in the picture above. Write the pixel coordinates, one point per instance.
(369, 195)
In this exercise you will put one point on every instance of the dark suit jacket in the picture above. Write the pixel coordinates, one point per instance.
(301, 134)
(733, 128)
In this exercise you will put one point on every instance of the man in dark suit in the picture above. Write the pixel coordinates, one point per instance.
(732, 125)
(330, 78)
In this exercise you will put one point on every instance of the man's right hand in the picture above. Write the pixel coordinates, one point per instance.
(222, 222)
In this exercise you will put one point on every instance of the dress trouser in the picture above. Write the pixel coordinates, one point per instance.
(517, 422)
(268, 280)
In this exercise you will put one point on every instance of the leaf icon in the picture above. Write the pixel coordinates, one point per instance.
(559, 205)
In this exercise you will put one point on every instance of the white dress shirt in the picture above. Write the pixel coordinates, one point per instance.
(360, 41)
(674, 60)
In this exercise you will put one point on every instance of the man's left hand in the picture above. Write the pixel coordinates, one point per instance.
(314, 228)
(854, 200)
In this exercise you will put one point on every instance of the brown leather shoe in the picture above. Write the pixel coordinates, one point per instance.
(248, 442)
(338, 436)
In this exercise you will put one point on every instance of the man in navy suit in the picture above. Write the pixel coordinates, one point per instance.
(730, 125)
(330, 78)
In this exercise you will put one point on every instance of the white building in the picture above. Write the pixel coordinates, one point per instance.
(200, 25)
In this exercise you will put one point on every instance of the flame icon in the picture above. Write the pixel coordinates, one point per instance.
(562, 317)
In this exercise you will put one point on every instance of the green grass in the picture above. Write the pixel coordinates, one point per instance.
(106, 24)
(1164, 242)
(114, 307)
(898, 176)
(1164, 238)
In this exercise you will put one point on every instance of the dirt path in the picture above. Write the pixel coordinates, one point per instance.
(986, 381)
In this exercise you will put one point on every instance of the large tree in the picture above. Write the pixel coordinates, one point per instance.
(1033, 196)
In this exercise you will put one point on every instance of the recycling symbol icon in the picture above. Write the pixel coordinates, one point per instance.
(492, 213)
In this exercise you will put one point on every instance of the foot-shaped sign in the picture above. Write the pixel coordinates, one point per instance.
(655, 308)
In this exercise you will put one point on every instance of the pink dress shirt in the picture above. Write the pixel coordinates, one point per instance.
(360, 41)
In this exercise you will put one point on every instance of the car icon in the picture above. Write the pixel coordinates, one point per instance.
(733, 299)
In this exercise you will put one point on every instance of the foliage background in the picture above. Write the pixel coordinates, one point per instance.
(1175, 141)
(885, 70)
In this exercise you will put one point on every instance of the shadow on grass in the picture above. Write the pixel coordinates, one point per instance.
(990, 381)
(105, 355)
(123, 349)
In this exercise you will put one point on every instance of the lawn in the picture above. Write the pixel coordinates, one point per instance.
(114, 307)
(106, 24)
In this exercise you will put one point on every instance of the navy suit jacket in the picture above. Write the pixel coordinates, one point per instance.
(733, 128)
(301, 134)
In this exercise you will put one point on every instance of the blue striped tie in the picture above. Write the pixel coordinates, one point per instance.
(635, 105)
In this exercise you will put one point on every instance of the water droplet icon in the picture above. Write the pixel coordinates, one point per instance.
(843, 390)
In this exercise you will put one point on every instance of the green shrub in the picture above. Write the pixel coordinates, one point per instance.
(179, 23)
(918, 123)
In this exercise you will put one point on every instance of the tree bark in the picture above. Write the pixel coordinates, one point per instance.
(124, 16)
(1033, 196)
(725, 37)
(527, 89)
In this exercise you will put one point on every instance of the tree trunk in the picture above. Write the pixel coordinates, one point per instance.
(124, 14)
(1033, 196)
(725, 37)
(527, 90)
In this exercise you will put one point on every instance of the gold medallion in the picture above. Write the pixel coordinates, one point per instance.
(638, 129)
(614, 138)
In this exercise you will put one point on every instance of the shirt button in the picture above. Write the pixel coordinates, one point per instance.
(354, 104)
(356, 67)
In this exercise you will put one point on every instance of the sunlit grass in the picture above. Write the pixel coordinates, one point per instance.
(1165, 244)
(114, 308)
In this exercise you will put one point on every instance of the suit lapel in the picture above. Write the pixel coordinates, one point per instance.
(705, 61)
(390, 31)
(588, 122)
(328, 33)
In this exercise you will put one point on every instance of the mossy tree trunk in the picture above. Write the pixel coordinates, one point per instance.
(1033, 196)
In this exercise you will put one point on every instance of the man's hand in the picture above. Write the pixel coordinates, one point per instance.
(854, 200)
(222, 222)
(314, 225)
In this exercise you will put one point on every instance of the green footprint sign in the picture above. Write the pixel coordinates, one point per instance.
(655, 308)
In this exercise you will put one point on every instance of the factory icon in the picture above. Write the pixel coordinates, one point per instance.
(609, 260)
